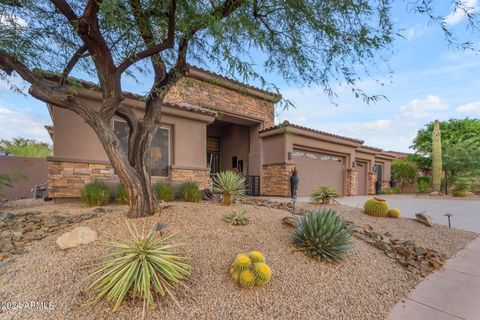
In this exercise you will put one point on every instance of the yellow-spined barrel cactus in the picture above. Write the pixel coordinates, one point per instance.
(256, 256)
(322, 235)
(246, 279)
(394, 213)
(262, 272)
(242, 262)
(376, 207)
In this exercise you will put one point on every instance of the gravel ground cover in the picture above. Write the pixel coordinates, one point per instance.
(365, 286)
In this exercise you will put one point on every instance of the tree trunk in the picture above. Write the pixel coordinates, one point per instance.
(135, 178)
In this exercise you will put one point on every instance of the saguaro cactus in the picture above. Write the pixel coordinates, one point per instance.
(436, 157)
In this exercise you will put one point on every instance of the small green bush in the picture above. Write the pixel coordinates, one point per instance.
(423, 183)
(95, 193)
(323, 194)
(476, 186)
(394, 190)
(230, 184)
(121, 195)
(237, 218)
(163, 191)
(461, 187)
(189, 192)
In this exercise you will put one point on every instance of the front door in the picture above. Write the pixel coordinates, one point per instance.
(213, 154)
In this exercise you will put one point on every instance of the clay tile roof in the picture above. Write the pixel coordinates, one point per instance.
(288, 124)
(220, 77)
(371, 148)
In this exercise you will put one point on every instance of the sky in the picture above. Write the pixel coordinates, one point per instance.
(430, 80)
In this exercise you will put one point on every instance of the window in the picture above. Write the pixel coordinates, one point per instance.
(159, 157)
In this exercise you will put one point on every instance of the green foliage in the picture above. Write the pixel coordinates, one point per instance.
(461, 187)
(421, 161)
(453, 131)
(394, 190)
(237, 218)
(22, 147)
(322, 235)
(462, 158)
(95, 193)
(476, 185)
(323, 194)
(404, 171)
(230, 184)
(164, 191)
(394, 213)
(144, 268)
(189, 192)
(376, 207)
(423, 183)
(121, 195)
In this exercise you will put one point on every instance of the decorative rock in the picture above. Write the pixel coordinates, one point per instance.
(291, 221)
(436, 194)
(424, 218)
(76, 237)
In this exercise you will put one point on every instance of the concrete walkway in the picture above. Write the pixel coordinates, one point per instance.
(449, 294)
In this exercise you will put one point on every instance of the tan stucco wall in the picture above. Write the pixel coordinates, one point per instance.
(235, 141)
(74, 139)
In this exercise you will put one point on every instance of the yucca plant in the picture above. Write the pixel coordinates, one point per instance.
(323, 194)
(231, 184)
(95, 193)
(237, 218)
(145, 267)
(322, 235)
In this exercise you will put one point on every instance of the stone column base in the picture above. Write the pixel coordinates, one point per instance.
(201, 176)
(352, 182)
(372, 178)
(276, 179)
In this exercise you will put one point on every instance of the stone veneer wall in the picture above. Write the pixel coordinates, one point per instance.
(209, 95)
(276, 179)
(352, 182)
(66, 179)
(198, 175)
(372, 178)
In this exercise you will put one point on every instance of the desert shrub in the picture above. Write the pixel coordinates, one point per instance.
(121, 195)
(461, 187)
(423, 183)
(376, 207)
(323, 194)
(163, 191)
(189, 192)
(322, 235)
(250, 270)
(95, 193)
(237, 218)
(230, 184)
(144, 267)
(476, 186)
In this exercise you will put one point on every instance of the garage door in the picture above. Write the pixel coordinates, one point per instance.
(318, 169)
(362, 177)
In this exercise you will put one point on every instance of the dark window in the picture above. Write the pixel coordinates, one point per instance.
(158, 159)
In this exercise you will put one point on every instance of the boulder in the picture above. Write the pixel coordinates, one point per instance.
(76, 237)
(424, 217)
(436, 194)
(290, 221)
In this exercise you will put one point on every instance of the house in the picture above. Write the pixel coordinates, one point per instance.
(211, 123)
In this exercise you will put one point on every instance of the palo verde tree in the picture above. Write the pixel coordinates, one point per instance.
(308, 42)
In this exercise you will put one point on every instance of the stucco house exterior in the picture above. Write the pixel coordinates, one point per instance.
(211, 123)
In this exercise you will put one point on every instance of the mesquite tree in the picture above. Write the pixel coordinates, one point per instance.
(309, 42)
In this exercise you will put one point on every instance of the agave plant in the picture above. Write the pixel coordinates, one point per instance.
(322, 235)
(145, 267)
(237, 218)
(231, 184)
(323, 194)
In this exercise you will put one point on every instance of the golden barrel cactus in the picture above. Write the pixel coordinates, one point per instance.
(242, 262)
(256, 256)
(246, 279)
(262, 272)
(394, 213)
(376, 207)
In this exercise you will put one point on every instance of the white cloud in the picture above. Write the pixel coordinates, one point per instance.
(473, 107)
(419, 108)
(456, 16)
(416, 31)
(22, 124)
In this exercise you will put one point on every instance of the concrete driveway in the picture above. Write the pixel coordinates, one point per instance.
(466, 213)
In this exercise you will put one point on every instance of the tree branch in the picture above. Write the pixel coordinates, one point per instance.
(147, 35)
(9, 64)
(73, 61)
